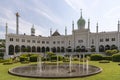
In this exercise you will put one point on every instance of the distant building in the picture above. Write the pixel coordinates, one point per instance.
(81, 40)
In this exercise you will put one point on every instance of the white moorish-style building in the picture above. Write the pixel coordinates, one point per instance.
(81, 40)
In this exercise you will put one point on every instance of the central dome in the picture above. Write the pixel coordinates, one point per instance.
(81, 22)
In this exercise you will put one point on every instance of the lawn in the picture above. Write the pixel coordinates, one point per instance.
(111, 71)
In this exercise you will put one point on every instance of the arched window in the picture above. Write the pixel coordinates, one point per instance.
(23, 48)
(17, 49)
(11, 50)
(33, 49)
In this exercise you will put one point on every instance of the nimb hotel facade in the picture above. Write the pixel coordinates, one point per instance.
(81, 40)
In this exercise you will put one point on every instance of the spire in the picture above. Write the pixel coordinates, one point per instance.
(6, 28)
(88, 24)
(97, 27)
(65, 30)
(72, 25)
(81, 13)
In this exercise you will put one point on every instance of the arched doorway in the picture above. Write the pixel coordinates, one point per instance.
(53, 49)
(33, 49)
(17, 49)
(38, 49)
(47, 49)
(11, 50)
(23, 48)
(107, 47)
(101, 48)
(62, 49)
(58, 49)
(28, 49)
(83, 49)
(43, 49)
(113, 47)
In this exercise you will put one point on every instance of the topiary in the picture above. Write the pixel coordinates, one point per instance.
(96, 57)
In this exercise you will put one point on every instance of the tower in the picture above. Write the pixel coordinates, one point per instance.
(97, 40)
(88, 38)
(6, 28)
(81, 22)
(33, 31)
(50, 31)
(65, 30)
(72, 25)
(17, 23)
(89, 24)
(118, 34)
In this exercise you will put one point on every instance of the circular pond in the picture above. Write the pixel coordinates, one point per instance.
(55, 71)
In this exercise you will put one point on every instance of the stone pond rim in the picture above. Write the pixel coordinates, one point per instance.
(13, 72)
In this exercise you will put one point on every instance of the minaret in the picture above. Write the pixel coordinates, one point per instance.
(118, 34)
(97, 41)
(118, 26)
(65, 31)
(6, 28)
(73, 35)
(88, 45)
(72, 25)
(17, 23)
(33, 31)
(97, 28)
(50, 31)
(81, 13)
(89, 24)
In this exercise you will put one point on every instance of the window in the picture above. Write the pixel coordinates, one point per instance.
(28, 41)
(107, 39)
(33, 41)
(113, 39)
(23, 40)
(53, 42)
(62, 42)
(80, 41)
(92, 41)
(47, 42)
(17, 40)
(11, 39)
(101, 40)
(69, 42)
(43, 42)
(38, 41)
(58, 42)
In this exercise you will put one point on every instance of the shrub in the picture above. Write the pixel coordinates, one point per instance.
(111, 52)
(107, 58)
(23, 59)
(116, 57)
(104, 61)
(96, 57)
(75, 59)
(33, 58)
(54, 58)
(66, 59)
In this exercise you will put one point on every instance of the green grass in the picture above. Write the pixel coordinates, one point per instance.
(111, 71)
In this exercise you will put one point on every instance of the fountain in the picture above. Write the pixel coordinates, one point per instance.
(56, 70)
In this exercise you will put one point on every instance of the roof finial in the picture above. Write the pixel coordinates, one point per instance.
(81, 12)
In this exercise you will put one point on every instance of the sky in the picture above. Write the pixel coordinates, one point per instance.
(56, 14)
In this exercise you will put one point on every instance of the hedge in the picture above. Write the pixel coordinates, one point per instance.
(96, 57)
(107, 58)
(23, 59)
(33, 58)
(116, 57)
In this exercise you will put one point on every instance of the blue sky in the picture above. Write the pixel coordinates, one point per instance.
(57, 14)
